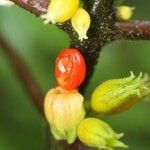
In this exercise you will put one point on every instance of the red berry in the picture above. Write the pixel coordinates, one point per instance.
(70, 69)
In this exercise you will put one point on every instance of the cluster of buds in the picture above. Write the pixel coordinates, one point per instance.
(63, 105)
(64, 109)
(60, 11)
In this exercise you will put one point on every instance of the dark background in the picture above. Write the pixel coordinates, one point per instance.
(21, 127)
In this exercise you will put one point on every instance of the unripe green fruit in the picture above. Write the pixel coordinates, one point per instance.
(118, 95)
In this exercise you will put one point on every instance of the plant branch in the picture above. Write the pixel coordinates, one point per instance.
(103, 26)
(133, 30)
(100, 33)
(39, 7)
(24, 74)
(89, 48)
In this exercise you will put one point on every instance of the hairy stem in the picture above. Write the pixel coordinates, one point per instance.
(133, 30)
(99, 34)
(38, 7)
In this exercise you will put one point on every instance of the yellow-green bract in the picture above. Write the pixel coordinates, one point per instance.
(98, 134)
(118, 95)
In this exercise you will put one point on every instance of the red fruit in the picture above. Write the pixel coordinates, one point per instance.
(70, 69)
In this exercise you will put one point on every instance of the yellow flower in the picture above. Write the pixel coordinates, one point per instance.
(64, 111)
(60, 10)
(124, 12)
(81, 23)
(118, 95)
(98, 134)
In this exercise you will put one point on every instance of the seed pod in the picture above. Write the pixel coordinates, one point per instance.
(124, 13)
(118, 95)
(60, 11)
(70, 69)
(81, 23)
(64, 111)
(98, 134)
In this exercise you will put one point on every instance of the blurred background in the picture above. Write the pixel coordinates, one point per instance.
(21, 126)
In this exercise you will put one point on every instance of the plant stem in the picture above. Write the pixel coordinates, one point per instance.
(99, 34)
(24, 74)
(30, 84)
(133, 30)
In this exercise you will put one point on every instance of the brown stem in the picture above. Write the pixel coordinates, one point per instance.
(39, 7)
(100, 33)
(133, 30)
(25, 76)
(77, 145)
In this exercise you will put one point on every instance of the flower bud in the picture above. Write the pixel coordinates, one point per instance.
(118, 95)
(64, 111)
(81, 23)
(6, 3)
(60, 10)
(124, 13)
(98, 134)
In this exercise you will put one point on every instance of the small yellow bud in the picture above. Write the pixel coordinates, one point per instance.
(98, 134)
(81, 23)
(64, 111)
(60, 10)
(124, 12)
(118, 95)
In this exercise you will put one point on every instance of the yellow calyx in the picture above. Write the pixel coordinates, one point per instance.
(64, 110)
(118, 95)
(81, 23)
(98, 134)
(124, 12)
(60, 11)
